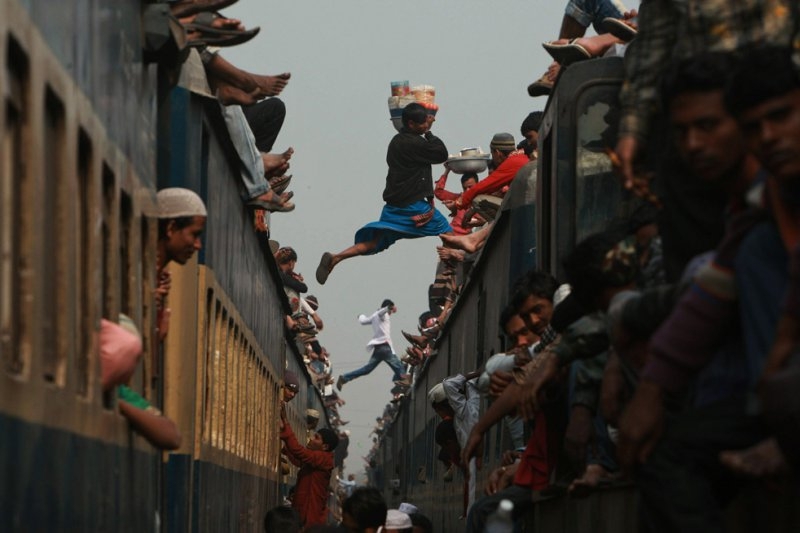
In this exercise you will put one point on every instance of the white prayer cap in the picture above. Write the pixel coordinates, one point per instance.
(408, 508)
(437, 394)
(176, 202)
(498, 361)
(397, 520)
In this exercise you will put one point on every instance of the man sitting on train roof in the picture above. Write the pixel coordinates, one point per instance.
(316, 464)
(507, 161)
(408, 212)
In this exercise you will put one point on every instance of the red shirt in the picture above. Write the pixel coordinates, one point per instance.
(313, 480)
(444, 195)
(498, 179)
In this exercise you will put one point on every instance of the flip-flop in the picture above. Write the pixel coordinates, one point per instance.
(620, 29)
(210, 35)
(278, 207)
(187, 8)
(324, 268)
(280, 183)
(541, 87)
(566, 54)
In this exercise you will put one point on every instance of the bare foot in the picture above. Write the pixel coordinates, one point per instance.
(447, 254)
(762, 460)
(230, 95)
(271, 85)
(276, 162)
(468, 243)
(592, 478)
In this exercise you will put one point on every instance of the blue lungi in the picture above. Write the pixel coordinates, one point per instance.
(395, 223)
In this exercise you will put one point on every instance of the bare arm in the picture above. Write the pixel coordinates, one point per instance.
(159, 430)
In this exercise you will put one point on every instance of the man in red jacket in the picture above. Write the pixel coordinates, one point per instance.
(507, 162)
(314, 478)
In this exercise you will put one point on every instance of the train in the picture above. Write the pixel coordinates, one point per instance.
(570, 193)
(93, 126)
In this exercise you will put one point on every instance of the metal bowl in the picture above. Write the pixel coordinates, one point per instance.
(464, 164)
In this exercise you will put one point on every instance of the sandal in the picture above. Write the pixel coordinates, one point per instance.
(210, 35)
(624, 30)
(187, 8)
(324, 268)
(279, 207)
(566, 54)
(280, 183)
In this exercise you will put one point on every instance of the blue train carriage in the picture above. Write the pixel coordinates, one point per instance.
(77, 197)
(569, 194)
(227, 348)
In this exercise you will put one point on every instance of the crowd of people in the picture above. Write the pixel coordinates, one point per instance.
(668, 355)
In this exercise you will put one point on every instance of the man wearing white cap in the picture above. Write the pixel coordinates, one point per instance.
(397, 522)
(181, 220)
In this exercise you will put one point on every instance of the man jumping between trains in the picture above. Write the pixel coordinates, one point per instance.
(380, 346)
(409, 211)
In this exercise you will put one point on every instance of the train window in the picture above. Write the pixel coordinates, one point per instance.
(12, 174)
(599, 196)
(126, 259)
(54, 242)
(85, 316)
(108, 277)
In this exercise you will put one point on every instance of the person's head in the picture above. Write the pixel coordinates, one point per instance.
(325, 439)
(438, 399)
(120, 351)
(364, 511)
(397, 522)
(390, 305)
(530, 128)
(705, 133)
(764, 96)
(291, 386)
(422, 524)
(312, 418)
(282, 519)
(532, 295)
(468, 180)
(415, 118)
(286, 258)
(600, 266)
(501, 146)
(351, 477)
(515, 328)
(181, 220)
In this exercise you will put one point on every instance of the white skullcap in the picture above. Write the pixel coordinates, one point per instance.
(408, 508)
(397, 520)
(437, 394)
(176, 202)
(561, 293)
(498, 361)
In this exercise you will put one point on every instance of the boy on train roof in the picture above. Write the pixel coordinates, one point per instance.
(409, 211)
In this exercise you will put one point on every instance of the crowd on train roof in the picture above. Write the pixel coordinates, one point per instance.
(668, 356)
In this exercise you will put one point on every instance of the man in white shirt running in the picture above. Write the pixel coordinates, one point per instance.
(380, 345)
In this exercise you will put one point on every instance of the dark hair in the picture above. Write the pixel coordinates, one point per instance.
(761, 73)
(643, 215)
(469, 175)
(534, 282)
(285, 254)
(584, 265)
(282, 519)
(387, 303)
(367, 507)
(508, 312)
(180, 223)
(419, 519)
(414, 112)
(705, 72)
(532, 122)
(329, 437)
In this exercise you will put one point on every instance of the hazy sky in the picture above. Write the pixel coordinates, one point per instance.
(343, 55)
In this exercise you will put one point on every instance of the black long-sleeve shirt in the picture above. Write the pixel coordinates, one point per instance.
(410, 157)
